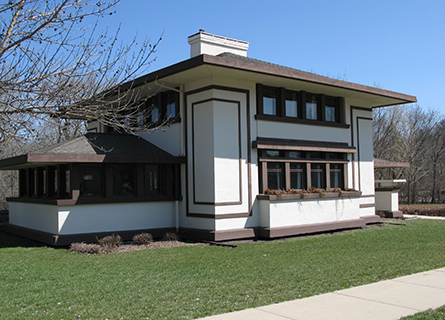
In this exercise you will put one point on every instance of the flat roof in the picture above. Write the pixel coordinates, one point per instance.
(261, 70)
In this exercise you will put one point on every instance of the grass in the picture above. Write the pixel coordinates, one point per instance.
(437, 314)
(38, 282)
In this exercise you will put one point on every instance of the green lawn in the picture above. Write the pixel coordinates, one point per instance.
(438, 314)
(190, 282)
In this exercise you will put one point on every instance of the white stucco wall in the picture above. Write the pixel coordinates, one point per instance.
(167, 138)
(387, 200)
(66, 220)
(302, 212)
(217, 151)
(296, 131)
(39, 217)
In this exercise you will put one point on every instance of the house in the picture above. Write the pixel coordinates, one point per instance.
(239, 129)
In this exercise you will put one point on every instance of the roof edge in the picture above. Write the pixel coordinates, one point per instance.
(270, 69)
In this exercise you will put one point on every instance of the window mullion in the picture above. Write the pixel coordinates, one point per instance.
(308, 175)
(287, 175)
(303, 104)
(264, 173)
(321, 108)
(328, 175)
(281, 111)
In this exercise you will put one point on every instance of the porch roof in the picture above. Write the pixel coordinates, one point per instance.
(94, 148)
(380, 163)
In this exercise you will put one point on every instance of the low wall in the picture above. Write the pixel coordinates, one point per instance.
(285, 213)
(96, 218)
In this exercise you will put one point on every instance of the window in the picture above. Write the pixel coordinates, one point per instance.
(129, 182)
(140, 118)
(270, 101)
(90, 180)
(311, 107)
(160, 108)
(283, 170)
(280, 104)
(318, 176)
(170, 100)
(154, 113)
(292, 104)
(331, 109)
(336, 176)
(297, 176)
(151, 179)
(123, 179)
(275, 178)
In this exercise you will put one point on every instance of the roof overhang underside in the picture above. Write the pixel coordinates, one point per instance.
(251, 70)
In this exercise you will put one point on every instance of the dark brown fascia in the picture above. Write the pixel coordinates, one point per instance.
(285, 72)
(271, 69)
(291, 144)
(22, 161)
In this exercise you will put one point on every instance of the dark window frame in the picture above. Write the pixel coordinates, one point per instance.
(160, 101)
(302, 97)
(307, 159)
(64, 182)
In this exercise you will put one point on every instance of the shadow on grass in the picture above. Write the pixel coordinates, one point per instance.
(8, 240)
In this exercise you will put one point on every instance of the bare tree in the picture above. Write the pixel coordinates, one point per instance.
(410, 134)
(54, 62)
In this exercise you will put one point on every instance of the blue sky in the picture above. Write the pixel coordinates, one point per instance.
(396, 45)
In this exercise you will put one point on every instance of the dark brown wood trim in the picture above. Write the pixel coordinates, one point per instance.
(367, 205)
(36, 159)
(303, 145)
(358, 147)
(95, 200)
(228, 203)
(372, 219)
(213, 235)
(240, 178)
(273, 70)
(391, 214)
(219, 216)
(249, 157)
(265, 117)
(387, 189)
(58, 240)
(309, 228)
(351, 114)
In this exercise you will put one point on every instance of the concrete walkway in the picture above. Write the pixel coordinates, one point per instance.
(388, 299)
(413, 216)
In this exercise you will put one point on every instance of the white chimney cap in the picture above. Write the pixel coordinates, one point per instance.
(206, 43)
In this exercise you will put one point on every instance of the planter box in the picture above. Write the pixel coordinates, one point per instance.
(288, 210)
(309, 195)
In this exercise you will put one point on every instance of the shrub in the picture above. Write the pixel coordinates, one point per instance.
(143, 239)
(424, 210)
(85, 248)
(111, 241)
(170, 236)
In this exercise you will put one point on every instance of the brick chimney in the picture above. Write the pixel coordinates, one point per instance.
(206, 43)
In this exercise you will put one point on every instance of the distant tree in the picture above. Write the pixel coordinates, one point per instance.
(411, 134)
(55, 63)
